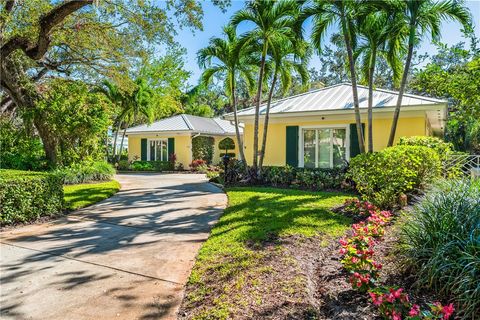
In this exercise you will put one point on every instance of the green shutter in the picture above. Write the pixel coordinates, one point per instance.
(292, 146)
(171, 147)
(354, 148)
(143, 149)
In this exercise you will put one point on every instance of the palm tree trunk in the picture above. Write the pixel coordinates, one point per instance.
(114, 153)
(257, 111)
(119, 155)
(237, 129)
(267, 117)
(403, 85)
(370, 99)
(356, 105)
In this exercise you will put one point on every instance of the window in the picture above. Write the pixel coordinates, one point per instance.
(158, 150)
(324, 147)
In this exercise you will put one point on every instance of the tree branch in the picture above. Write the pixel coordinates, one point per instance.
(47, 23)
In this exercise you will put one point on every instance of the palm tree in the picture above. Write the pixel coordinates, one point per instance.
(117, 98)
(287, 58)
(138, 104)
(274, 23)
(421, 17)
(228, 58)
(380, 36)
(326, 13)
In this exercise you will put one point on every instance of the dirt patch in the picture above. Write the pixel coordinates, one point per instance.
(296, 278)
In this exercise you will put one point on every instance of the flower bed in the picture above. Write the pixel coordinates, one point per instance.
(358, 259)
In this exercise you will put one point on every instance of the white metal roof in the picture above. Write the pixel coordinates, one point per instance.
(338, 97)
(187, 123)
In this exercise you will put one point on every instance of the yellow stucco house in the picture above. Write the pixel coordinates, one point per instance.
(157, 141)
(317, 128)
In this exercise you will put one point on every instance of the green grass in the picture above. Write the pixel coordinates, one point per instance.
(235, 245)
(82, 195)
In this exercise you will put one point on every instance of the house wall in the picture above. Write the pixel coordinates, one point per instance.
(183, 147)
(217, 151)
(275, 154)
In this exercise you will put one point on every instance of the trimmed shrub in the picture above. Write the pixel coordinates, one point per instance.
(28, 195)
(226, 144)
(278, 176)
(443, 149)
(152, 166)
(441, 243)
(202, 148)
(288, 176)
(382, 177)
(320, 178)
(229, 154)
(86, 172)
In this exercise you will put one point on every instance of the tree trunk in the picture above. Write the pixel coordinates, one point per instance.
(237, 129)
(267, 117)
(257, 111)
(14, 82)
(121, 144)
(351, 63)
(403, 86)
(48, 140)
(371, 71)
(114, 153)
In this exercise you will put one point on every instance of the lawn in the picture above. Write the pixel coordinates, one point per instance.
(244, 260)
(82, 195)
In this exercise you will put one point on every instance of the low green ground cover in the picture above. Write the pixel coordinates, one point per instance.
(254, 217)
(82, 195)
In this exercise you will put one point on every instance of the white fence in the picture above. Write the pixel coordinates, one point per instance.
(462, 163)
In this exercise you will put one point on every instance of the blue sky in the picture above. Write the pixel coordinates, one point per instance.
(214, 19)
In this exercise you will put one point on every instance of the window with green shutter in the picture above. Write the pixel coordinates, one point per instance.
(292, 146)
(143, 149)
(354, 148)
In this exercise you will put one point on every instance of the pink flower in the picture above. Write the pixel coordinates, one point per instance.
(343, 242)
(448, 311)
(397, 294)
(396, 315)
(390, 297)
(414, 311)
(343, 251)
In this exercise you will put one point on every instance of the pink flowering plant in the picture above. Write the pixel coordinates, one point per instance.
(394, 303)
(358, 251)
(359, 208)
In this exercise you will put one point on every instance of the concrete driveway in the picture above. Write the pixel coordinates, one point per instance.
(127, 257)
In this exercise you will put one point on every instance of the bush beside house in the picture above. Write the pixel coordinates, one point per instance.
(26, 195)
(385, 176)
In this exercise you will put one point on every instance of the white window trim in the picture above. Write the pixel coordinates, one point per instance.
(148, 147)
(333, 126)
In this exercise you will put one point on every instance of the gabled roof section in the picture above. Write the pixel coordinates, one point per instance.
(339, 97)
(187, 123)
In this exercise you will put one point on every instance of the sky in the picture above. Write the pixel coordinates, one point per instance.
(214, 20)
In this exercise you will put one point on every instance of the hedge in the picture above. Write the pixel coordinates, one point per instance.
(288, 176)
(28, 195)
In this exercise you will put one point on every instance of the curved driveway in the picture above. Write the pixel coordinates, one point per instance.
(127, 257)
